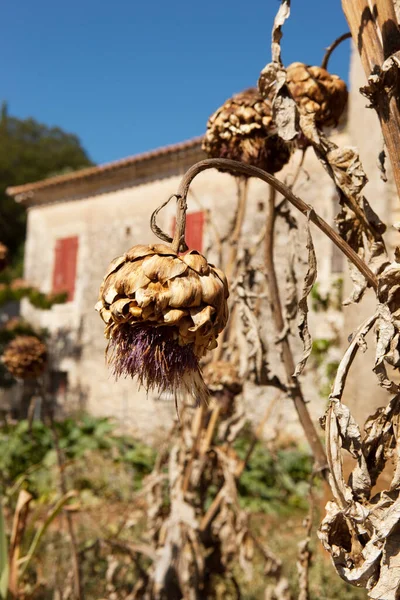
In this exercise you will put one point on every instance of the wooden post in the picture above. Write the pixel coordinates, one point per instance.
(374, 29)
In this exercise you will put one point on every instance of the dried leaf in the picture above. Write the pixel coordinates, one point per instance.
(357, 341)
(350, 434)
(382, 82)
(374, 565)
(281, 16)
(388, 325)
(356, 221)
(291, 299)
(309, 281)
(272, 82)
(381, 439)
(252, 360)
(362, 535)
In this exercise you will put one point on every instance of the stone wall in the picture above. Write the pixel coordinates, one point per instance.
(107, 225)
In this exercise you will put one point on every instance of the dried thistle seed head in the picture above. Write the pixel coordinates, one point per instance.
(3, 256)
(25, 357)
(163, 312)
(242, 129)
(220, 375)
(317, 92)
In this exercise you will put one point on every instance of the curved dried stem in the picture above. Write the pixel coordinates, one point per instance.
(287, 355)
(332, 47)
(178, 242)
(236, 167)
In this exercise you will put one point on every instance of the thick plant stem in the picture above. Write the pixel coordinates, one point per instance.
(78, 587)
(333, 47)
(242, 186)
(287, 356)
(376, 36)
(236, 168)
(234, 239)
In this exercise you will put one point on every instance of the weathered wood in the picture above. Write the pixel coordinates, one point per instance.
(376, 36)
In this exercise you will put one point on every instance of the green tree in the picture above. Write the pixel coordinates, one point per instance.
(30, 151)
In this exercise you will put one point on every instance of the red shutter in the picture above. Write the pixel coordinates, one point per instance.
(194, 230)
(65, 259)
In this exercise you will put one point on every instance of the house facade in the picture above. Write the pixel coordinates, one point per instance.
(80, 221)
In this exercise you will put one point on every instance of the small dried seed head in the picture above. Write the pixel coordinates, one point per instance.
(163, 312)
(221, 375)
(242, 129)
(317, 92)
(25, 357)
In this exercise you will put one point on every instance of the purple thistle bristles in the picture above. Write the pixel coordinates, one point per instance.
(158, 361)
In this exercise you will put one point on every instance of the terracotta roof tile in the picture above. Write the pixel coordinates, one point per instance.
(91, 172)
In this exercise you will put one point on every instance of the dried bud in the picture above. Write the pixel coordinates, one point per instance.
(242, 129)
(3, 256)
(317, 92)
(163, 312)
(25, 357)
(222, 375)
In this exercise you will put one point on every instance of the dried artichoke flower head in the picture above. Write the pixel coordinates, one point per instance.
(242, 129)
(317, 92)
(25, 357)
(163, 312)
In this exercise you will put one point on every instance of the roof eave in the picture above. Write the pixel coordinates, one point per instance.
(26, 192)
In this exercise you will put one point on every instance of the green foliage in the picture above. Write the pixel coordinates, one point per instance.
(333, 299)
(337, 293)
(27, 455)
(318, 302)
(30, 151)
(330, 373)
(319, 348)
(35, 297)
(4, 569)
(274, 482)
(331, 369)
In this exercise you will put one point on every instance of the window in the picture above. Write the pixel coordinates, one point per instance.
(194, 230)
(65, 259)
(58, 385)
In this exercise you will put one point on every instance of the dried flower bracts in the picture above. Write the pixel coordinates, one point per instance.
(25, 357)
(163, 312)
(242, 129)
(317, 92)
(222, 375)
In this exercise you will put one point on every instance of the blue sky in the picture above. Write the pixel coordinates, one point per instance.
(130, 75)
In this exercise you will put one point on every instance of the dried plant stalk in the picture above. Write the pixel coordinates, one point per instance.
(375, 33)
(235, 167)
(287, 355)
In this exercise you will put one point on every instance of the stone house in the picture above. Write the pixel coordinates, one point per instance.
(78, 222)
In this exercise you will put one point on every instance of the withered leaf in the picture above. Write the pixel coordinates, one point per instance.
(272, 82)
(280, 18)
(381, 438)
(388, 325)
(309, 281)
